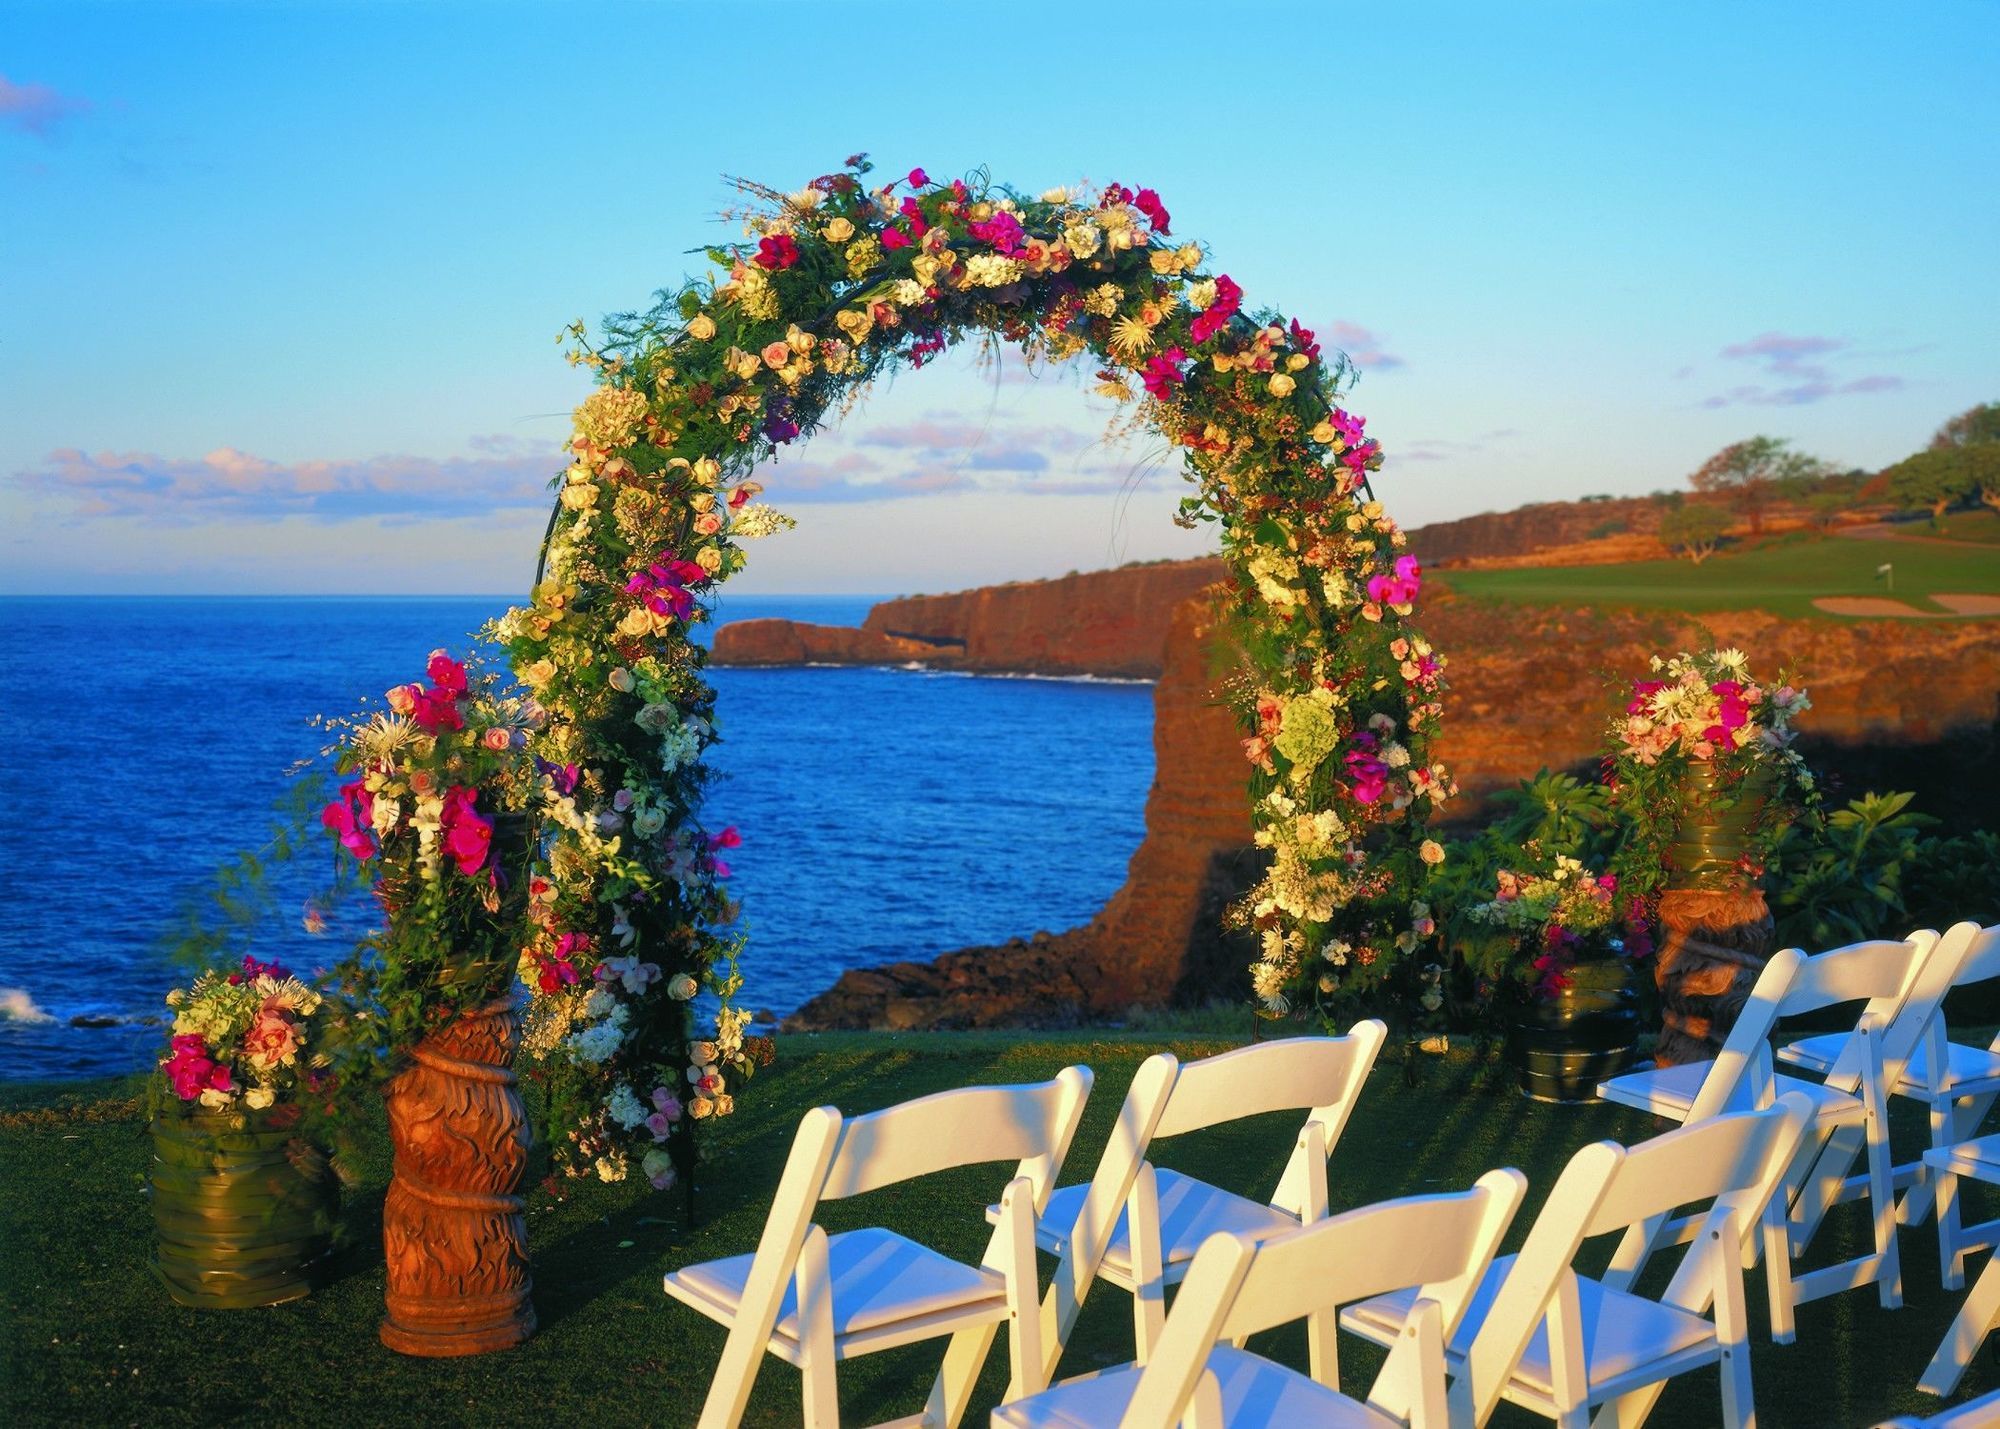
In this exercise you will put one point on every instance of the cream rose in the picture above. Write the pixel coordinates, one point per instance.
(702, 327)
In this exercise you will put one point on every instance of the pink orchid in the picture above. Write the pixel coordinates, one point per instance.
(468, 835)
(894, 238)
(1212, 320)
(1402, 587)
(1163, 373)
(778, 250)
(350, 817)
(1148, 203)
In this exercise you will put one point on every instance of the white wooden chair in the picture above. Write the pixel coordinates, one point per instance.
(1957, 1082)
(1901, 984)
(812, 1299)
(1091, 1225)
(1541, 1336)
(1980, 1413)
(1202, 1378)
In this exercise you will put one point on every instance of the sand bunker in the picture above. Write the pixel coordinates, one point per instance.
(1970, 604)
(1875, 606)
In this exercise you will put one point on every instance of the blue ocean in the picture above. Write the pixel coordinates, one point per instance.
(886, 814)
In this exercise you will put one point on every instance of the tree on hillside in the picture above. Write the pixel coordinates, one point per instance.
(1976, 426)
(1750, 473)
(1948, 476)
(1694, 529)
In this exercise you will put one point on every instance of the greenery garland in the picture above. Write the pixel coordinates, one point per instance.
(838, 283)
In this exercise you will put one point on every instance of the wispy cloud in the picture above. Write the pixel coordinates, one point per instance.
(1800, 369)
(37, 109)
(502, 473)
(1449, 448)
(1364, 347)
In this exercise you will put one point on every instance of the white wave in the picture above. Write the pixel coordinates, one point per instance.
(17, 1004)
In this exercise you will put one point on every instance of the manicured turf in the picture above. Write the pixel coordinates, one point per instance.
(1783, 577)
(90, 1339)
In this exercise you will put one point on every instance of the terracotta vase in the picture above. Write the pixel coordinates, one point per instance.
(1715, 926)
(454, 1228)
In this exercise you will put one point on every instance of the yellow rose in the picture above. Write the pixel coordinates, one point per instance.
(1282, 384)
(1162, 261)
(855, 322)
(709, 559)
(579, 496)
(1297, 361)
(702, 328)
(702, 501)
(707, 471)
(540, 673)
(638, 623)
(839, 231)
(1323, 433)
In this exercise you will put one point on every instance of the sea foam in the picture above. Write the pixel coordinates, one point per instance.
(17, 1004)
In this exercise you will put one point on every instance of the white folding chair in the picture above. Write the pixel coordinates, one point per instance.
(1092, 1225)
(812, 1299)
(1901, 983)
(1202, 1378)
(1541, 1336)
(1980, 1413)
(1958, 1083)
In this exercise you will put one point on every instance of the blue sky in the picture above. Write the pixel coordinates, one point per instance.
(280, 285)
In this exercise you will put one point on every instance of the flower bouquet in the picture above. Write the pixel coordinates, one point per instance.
(1703, 770)
(1543, 946)
(1705, 779)
(434, 812)
(243, 1201)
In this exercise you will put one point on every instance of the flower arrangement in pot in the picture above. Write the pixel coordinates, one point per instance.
(433, 809)
(1543, 949)
(1705, 779)
(243, 1198)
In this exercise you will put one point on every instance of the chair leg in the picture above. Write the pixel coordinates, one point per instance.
(821, 1397)
(1149, 1277)
(951, 1391)
(1778, 1271)
(1882, 1203)
(1732, 1333)
(1975, 1319)
(1567, 1368)
(1951, 1257)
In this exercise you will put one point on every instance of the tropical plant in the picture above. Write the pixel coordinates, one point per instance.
(1846, 882)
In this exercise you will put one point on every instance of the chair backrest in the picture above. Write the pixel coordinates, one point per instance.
(1322, 1076)
(1900, 1015)
(1735, 1160)
(1982, 959)
(1442, 1244)
(1029, 1124)
(1745, 1058)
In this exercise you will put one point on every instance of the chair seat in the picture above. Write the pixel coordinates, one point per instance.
(1190, 1212)
(1671, 1091)
(1978, 1158)
(1973, 1068)
(1621, 1332)
(879, 1279)
(1256, 1394)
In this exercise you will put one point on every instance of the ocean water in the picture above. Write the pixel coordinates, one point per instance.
(886, 814)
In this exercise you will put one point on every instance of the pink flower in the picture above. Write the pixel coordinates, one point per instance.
(1348, 427)
(1002, 230)
(1148, 203)
(776, 355)
(894, 238)
(497, 738)
(349, 816)
(1228, 300)
(437, 711)
(1400, 588)
(403, 698)
(919, 179)
(190, 1071)
(1163, 373)
(446, 673)
(272, 1037)
(1368, 775)
(1302, 339)
(778, 250)
(468, 836)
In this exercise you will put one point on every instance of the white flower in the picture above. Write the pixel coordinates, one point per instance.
(611, 1168)
(257, 1098)
(753, 523)
(681, 987)
(623, 1107)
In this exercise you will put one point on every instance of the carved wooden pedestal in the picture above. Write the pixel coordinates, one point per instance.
(1714, 943)
(453, 1227)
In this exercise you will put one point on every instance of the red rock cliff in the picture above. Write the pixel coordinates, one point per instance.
(1101, 623)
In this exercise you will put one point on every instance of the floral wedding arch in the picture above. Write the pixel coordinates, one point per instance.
(846, 280)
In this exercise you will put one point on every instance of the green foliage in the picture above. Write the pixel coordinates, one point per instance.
(1955, 877)
(1694, 529)
(1751, 472)
(1973, 427)
(1943, 477)
(1845, 883)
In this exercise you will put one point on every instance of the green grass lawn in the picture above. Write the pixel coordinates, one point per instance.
(90, 1338)
(1783, 577)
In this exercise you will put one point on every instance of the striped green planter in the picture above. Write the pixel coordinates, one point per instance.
(244, 1212)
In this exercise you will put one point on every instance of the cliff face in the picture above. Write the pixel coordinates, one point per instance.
(1902, 704)
(1110, 623)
